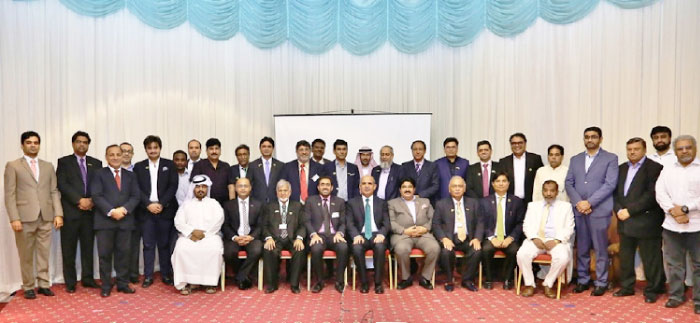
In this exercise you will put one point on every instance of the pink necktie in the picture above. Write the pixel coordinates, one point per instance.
(34, 171)
(302, 183)
(485, 180)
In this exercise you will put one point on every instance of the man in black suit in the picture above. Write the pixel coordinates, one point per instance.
(283, 229)
(386, 175)
(457, 225)
(503, 216)
(302, 173)
(73, 174)
(479, 174)
(423, 171)
(640, 218)
(345, 176)
(115, 193)
(368, 225)
(242, 228)
(521, 167)
(239, 170)
(158, 183)
(264, 172)
(324, 218)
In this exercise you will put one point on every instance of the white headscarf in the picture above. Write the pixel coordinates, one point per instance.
(198, 180)
(365, 150)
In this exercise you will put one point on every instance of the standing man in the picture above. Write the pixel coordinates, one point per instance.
(33, 204)
(368, 226)
(458, 226)
(238, 171)
(325, 222)
(302, 173)
(264, 172)
(678, 194)
(135, 242)
(74, 173)
(422, 171)
(386, 175)
(639, 221)
(318, 149)
(194, 148)
(127, 155)
(365, 161)
(217, 171)
(479, 174)
(449, 166)
(116, 196)
(183, 176)
(158, 183)
(345, 176)
(521, 166)
(554, 171)
(661, 139)
(590, 182)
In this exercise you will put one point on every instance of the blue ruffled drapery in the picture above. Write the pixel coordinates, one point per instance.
(359, 26)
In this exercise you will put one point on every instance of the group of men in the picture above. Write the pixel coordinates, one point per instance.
(193, 210)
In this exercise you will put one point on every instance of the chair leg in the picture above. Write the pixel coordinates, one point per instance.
(391, 275)
(345, 276)
(396, 274)
(517, 284)
(223, 276)
(308, 272)
(260, 274)
(432, 281)
(354, 273)
(480, 275)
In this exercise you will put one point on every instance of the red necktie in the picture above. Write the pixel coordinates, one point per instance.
(302, 183)
(118, 179)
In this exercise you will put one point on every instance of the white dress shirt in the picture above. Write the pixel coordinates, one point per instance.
(153, 171)
(546, 173)
(519, 168)
(411, 208)
(36, 161)
(190, 164)
(383, 179)
(183, 185)
(590, 158)
(667, 159)
(678, 185)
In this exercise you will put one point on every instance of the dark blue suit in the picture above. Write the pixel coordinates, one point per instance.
(290, 173)
(391, 189)
(514, 216)
(355, 216)
(353, 180)
(446, 170)
(428, 183)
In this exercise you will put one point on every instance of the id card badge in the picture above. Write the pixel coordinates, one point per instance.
(283, 226)
(335, 215)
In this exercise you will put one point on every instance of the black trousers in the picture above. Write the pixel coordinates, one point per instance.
(271, 263)
(253, 252)
(472, 257)
(379, 257)
(134, 251)
(74, 230)
(113, 244)
(341, 253)
(505, 272)
(652, 260)
(156, 232)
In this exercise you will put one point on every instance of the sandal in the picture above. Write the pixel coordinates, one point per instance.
(186, 291)
(210, 290)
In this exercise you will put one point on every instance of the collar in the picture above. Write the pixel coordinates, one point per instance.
(244, 200)
(460, 201)
(29, 159)
(594, 155)
(668, 152)
(638, 164)
(114, 170)
(497, 196)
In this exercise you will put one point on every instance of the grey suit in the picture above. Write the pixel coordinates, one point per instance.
(401, 219)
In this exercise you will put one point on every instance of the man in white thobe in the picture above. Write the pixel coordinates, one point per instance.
(198, 252)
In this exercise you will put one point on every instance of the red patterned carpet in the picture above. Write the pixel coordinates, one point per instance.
(161, 303)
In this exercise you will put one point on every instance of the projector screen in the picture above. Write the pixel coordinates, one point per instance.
(372, 130)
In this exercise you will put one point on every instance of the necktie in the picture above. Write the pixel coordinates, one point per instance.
(302, 183)
(34, 171)
(267, 172)
(368, 219)
(244, 214)
(326, 218)
(461, 229)
(500, 225)
(118, 179)
(283, 234)
(417, 169)
(485, 181)
(543, 221)
(83, 174)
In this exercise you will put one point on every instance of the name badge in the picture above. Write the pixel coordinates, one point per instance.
(283, 226)
(335, 215)
(315, 178)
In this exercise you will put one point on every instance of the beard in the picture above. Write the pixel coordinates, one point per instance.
(385, 165)
(662, 146)
(685, 159)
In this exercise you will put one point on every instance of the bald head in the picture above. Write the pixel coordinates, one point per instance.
(367, 186)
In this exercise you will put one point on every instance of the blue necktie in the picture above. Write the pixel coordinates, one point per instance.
(368, 219)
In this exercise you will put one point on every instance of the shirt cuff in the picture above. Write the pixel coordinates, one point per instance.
(268, 238)
(234, 238)
(109, 214)
(300, 238)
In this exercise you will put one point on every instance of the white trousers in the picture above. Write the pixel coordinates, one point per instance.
(561, 255)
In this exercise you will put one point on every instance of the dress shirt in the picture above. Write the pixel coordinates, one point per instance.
(631, 171)
(129, 168)
(680, 186)
(341, 175)
(519, 168)
(550, 230)
(371, 211)
(503, 207)
(590, 158)
(36, 160)
(545, 173)
(383, 179)
(411, 207)
(243, 171)
(153, 171)
(461, 206)
(190, 164)
(667, 159)
(182, 186)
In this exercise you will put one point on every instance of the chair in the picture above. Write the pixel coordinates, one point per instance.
(327, 254)
(415, 253)
(543, 259)
(284, 255)
(370, 254)
(497, 255)
(242, 255)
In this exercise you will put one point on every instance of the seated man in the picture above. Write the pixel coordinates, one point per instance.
(503, 215)
(325, 221)
(458, 226)
(411, 219)
(197, 256)
(283, 229)
(548, 226)
(368, 226)
(242, 229)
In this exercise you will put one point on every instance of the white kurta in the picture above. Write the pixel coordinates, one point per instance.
(198, 262)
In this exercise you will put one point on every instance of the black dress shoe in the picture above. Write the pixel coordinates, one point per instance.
(70, 289)
(488, 285)
(168, 281)
(672, 303)
(580, 288)
(244, 284)
(650, 298)
(126, 290)
(270, 289)
(340, 287)
(449, 287)
(379, 289)
(29, 294)
(508, 284)
(45, 292)
(598, 291)
(318, 287)
(697, 309)
(147, 282)
(425, 284)
(469, 285)
(134, 280)
(364, 288)
(404, 284)
(105, 292)
(90, 284)
(623, 293)
(296, 290)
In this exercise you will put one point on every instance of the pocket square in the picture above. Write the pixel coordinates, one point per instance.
(165, 168)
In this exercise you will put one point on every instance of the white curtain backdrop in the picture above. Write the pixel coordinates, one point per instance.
(120, 80)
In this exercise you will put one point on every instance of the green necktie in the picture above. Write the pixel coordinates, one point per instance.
(368, 220)
(500, 226)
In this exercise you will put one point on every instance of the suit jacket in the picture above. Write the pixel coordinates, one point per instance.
(168, 181)
(232, 218)
(563, 215)
(291, 174)
(532, 163)
(355, 215)
(445, 174)
(25, 198)
(70, 184)
(313, 214)
(646, 216)
(391, 190)
(261, 191)
(596, 185)
(474, 179)
(514, 214)
(273, 218)
(235, 173)
(107, 196)
(428, 183)
(353, 178)
(445, 215)
(401, 218)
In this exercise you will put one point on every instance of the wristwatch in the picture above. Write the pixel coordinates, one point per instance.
(685, 209)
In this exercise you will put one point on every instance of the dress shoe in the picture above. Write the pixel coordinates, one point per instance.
(650, 298)
(425, 284)
(90, 284)
(468, 284)
(296, 290)
(340, 287)
(134, 280)
(147, 282)
(168, 281)
(70, 289)
(379, 289)
(404, 284)
(697, 309)
(45, 292)
(550, 292)
(270, 289)
(527, 291)
(623, 293)
(598, 291)
(29, 294)
(244, 284)
(488, 285)
(364, 288)
(672, 303)
(449, 287)
(126, 290)
(508, 284)
(580, 288)
(105, 292)
(318, 287)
